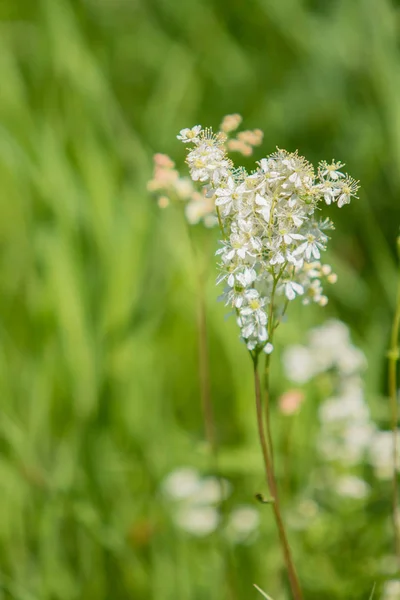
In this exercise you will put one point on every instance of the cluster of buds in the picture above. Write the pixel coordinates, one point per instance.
(199, 203)
(244, 141)
(171, 187)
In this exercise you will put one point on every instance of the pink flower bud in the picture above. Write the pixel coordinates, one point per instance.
(290, 402)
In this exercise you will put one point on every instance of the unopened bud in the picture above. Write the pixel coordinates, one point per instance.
(163, 201)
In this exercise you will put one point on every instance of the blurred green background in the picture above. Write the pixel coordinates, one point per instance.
(99, 381)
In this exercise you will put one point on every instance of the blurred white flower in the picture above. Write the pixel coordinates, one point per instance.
(243, 522)
(356, 440)
(381, 454)
(351, 360)
(331, 335)
(346, 426)
(329, 347)
(391, 590)
(182, 483)
(351, 486)
(350, 406)
(197, 520)
(212, 491)
(195, 499)
(298, 364)
(198, 208)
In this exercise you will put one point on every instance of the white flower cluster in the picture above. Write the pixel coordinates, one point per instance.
(348, 436)
(195, 502)
(169, 186)
(391, 590)
(329, 347)
(272, 239)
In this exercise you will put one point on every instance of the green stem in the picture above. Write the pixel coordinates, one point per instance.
(221, 226)
(204, 372)
(271, 482)
(267, 410)
(392, 381)
(209, 421)
(267, 403)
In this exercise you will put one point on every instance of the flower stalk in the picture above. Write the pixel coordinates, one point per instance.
(271, 482)
(270, 248)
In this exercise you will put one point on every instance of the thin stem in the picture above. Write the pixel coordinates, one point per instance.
(286, 455)
(210, 428)
(199, 253)
(392, 380)
(204, 371)
(221, 226)
(271, 482)
(267, 411)
(272, 325)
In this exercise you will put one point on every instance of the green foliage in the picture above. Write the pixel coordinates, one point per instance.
(99, 380)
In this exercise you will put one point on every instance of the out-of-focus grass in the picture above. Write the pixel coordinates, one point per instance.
(98, 359)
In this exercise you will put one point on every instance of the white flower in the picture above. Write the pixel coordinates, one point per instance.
(342, 408)
(391, 590)
(351, 486)
(347, 191)
(381, 453)
(197, 209)
(311, 248)
(189, 135)
(329, 192)
(288, 237)
(247, 277)
(226, 195)
(253, 318)
(182, 483)
(277, 258)
(197, 520)
(211, 491)
(292, 288)
(265, 205)
(299, 364)
(331, 170)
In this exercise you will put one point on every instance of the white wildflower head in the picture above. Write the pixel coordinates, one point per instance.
(346, 426)
(391, 590)
(272, 236)
(195, 499)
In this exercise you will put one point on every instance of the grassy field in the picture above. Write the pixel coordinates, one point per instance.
(99, 378)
